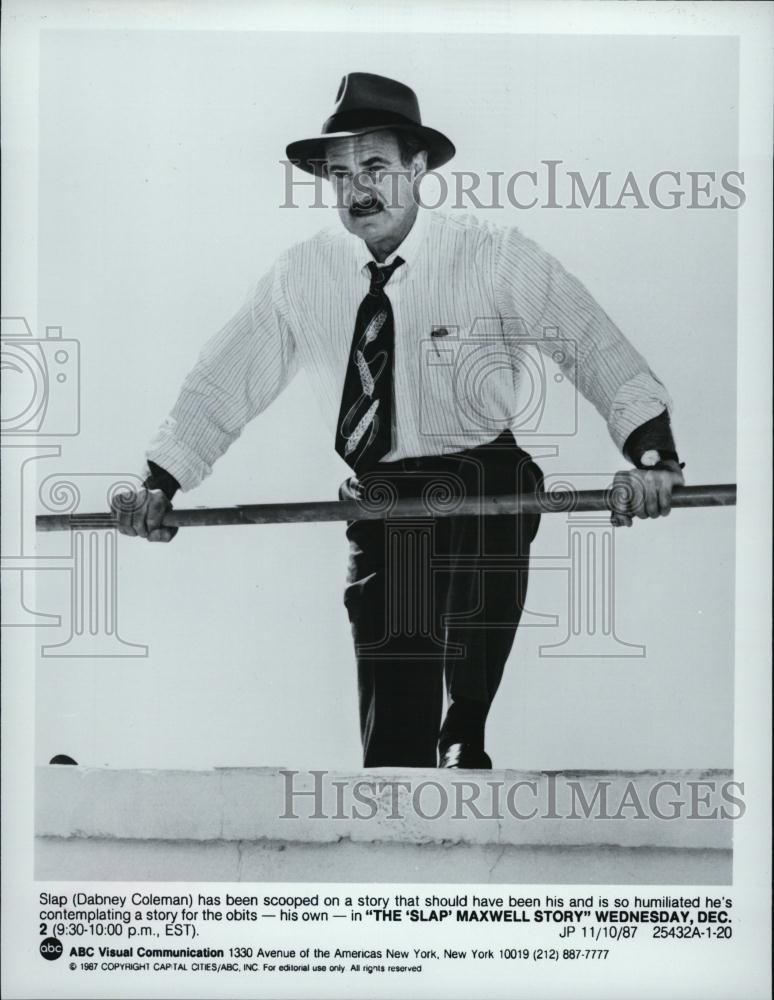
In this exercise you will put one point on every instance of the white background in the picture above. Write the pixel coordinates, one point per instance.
(160, 186)
(739, 971)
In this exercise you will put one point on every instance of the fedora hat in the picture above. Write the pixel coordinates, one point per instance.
(366, 103)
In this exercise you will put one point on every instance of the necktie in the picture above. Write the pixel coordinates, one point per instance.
(364, 429)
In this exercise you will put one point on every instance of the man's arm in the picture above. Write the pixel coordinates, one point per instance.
(239, 372)
(141, 513)
(160, 479)
(647, 490)
(653, 438)
(533, 287)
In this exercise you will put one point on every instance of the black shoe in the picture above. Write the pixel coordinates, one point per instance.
(467, 756)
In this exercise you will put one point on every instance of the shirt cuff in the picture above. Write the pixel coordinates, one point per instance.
(653, 435)
(637, 401)
(176, 457)
(160, 479)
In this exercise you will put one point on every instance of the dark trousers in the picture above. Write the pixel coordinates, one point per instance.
(435, 601)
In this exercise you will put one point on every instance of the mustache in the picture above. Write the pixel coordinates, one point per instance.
(366, 206)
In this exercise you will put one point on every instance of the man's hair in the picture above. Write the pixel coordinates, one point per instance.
(409, 144)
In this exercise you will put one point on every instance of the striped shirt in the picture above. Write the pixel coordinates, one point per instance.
(477, 308)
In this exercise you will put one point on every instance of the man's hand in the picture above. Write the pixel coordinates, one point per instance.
(644, 493)
(141, 513)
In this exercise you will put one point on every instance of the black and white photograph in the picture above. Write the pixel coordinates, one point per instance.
(386, 442)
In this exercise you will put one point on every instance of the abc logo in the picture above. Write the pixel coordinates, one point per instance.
(51, 949)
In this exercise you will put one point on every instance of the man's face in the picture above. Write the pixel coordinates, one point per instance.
(374, 188)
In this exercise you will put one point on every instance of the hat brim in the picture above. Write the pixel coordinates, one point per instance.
(309, 154)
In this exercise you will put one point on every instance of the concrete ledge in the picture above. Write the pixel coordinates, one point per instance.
(266, 824)
(58, 859)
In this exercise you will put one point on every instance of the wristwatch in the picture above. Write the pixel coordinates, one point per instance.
(659, 460)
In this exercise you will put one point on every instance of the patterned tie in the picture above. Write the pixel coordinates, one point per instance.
(364, 430)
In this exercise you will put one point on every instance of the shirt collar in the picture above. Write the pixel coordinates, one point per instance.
(408, 249)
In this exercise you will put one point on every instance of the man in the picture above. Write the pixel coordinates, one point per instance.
(421, 401)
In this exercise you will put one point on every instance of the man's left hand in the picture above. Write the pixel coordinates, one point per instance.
(644, 493)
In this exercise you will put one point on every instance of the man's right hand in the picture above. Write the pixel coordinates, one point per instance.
(141, 513)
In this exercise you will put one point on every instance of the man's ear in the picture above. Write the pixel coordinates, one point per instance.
(419, 164)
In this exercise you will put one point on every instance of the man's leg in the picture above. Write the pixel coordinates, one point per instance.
(486, 591)
(485, 637)
(400, 672)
